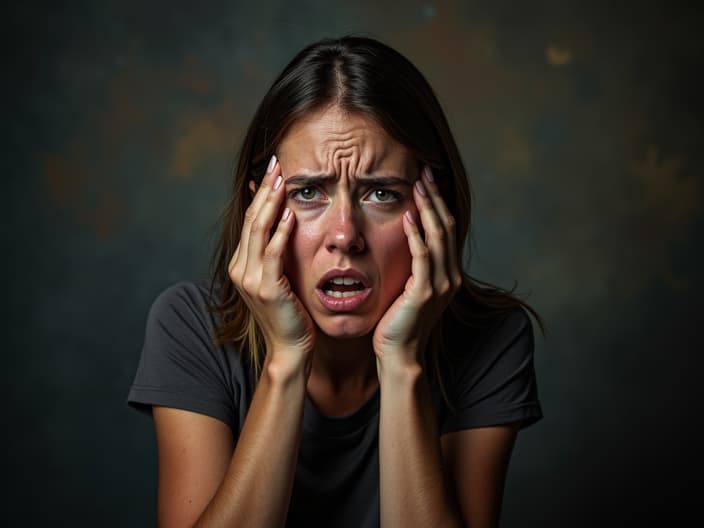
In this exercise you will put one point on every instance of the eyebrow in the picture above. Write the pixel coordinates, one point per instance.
(373, 181)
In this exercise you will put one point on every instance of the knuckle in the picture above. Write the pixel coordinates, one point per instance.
(256, 227)
(249, 284)
(270, 254)
(268, 294)
(437, 233)
(234, 274)
(444, 286)
(249, 215)
(426, 295)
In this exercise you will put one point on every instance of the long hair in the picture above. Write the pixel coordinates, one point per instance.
(366, 77)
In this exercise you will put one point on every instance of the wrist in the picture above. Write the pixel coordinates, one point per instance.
(286, 369)
(398, 371)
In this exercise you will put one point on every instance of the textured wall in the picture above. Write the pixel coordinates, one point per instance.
(582, 129)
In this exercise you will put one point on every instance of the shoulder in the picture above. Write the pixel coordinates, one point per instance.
(489, 372)
(181, 364)
(502, 328)
(182, 294)
(182, 316)
(185, 303)
(503, 339)
(515, 324)
(179, 324)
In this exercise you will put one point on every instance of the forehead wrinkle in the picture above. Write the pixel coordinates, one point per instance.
(338, 144)
(360, 155)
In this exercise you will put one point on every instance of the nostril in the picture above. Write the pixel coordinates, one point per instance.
(348, 238)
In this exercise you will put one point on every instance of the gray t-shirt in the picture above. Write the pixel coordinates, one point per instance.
(488, 374)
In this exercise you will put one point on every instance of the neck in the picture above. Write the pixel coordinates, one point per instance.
(343, 375)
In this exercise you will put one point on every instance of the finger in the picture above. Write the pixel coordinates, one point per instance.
(420, 261)
(260, 196)
(260, 226)
(446, 219)
(435, 235)
(273, 171)
(273, 261)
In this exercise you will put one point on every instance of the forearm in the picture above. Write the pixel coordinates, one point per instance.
(257, 487)
(412, 486)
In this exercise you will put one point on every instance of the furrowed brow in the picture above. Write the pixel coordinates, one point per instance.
(310, 179)
(371, 181)
(384, 181)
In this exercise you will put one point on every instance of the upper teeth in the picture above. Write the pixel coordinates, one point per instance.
(344, 280)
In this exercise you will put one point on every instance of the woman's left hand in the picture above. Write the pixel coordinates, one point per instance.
(403, 331)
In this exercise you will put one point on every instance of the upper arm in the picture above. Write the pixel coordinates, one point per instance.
(494, 393)
(194, 453)
(476, 461)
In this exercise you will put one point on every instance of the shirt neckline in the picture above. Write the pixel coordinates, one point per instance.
(316, 424)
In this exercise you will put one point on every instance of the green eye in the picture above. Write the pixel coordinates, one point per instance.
(307, 193)
(384, 196)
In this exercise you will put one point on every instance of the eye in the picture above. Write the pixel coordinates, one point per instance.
(384, 196)
(305, 194)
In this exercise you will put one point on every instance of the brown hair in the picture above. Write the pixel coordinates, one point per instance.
(364, 76)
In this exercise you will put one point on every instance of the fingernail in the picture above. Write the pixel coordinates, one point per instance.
(272, 163)
(278, 181)
(428, 173)
(285, 214)
(409, 217)
(420, 187)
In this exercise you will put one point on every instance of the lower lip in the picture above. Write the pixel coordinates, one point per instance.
(343, 304)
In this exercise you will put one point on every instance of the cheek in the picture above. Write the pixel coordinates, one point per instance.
(299, 254)
(392, 251)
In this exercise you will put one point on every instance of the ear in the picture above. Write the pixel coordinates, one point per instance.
(252, 187)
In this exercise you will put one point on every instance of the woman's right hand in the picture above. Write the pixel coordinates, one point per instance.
(257, 271)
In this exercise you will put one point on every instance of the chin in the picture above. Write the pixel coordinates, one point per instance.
(345, 327)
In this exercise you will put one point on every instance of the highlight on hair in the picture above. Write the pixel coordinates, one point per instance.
(364, 76)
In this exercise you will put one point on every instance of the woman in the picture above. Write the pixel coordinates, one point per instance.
(340, 369)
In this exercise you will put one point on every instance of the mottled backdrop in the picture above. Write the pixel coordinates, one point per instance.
(581, 126)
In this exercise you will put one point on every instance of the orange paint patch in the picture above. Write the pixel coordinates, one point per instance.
(84, 181)
(108, 212)
(557, 55)
(194, 77)
(459, 61)
(65, 180)
(71, 187)
(204, 136)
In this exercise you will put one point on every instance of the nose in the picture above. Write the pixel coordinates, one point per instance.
(344, 232)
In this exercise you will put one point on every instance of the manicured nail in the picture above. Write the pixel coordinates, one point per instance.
(428, 173)
(420, 187)
(272, 163)
(409, 217)
(284, 216)
(278, 181)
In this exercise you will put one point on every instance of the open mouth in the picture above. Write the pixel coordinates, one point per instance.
(341, 287)
(343, 291)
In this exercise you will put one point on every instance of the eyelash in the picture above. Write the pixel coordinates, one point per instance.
(395, 196)
(296, 192)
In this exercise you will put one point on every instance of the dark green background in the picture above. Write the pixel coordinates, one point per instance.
(581, 126)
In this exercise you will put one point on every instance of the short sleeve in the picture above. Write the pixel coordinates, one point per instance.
(179, 366)
(494, 382)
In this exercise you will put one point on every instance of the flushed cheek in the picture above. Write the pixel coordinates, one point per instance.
(393, 256)
(299, 256)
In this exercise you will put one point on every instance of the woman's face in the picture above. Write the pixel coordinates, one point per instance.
(348, 184)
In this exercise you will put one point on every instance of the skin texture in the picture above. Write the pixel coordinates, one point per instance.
(348, 184)
(342, 197)
(347, 220)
